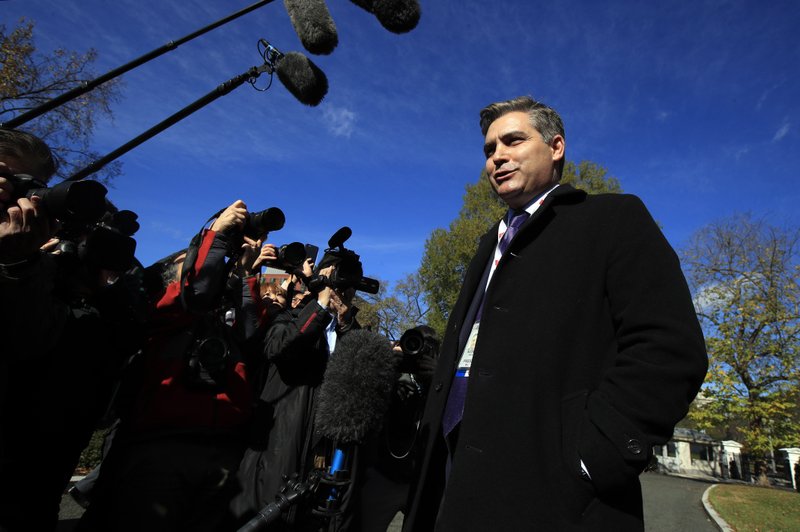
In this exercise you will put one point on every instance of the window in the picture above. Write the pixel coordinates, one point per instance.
(700, 451)
(672, 450)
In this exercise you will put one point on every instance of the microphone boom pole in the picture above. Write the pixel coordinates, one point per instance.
(87, 86)
(221, 90)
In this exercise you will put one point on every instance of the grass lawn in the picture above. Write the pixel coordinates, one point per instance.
(752, 508)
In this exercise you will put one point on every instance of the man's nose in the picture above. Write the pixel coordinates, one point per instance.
(500, 154)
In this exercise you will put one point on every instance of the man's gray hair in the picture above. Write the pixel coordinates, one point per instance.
(543, 118)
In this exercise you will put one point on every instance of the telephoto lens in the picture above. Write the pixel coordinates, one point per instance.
(262, 222)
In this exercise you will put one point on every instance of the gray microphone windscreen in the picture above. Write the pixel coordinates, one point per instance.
(313, 24)
(302, 78)
(357, 388)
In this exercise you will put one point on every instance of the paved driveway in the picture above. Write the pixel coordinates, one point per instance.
(674, 504)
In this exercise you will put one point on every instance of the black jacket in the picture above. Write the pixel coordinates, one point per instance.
(589, 349)
(281, 434)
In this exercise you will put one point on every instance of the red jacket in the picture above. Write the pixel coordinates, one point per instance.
(164, 401)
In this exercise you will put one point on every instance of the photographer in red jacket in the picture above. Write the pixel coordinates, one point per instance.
(173, 462)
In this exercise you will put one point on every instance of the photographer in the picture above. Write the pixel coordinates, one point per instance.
(389, 458)
(282, 441)
(172, 461)
(26, 280)
(71, 322)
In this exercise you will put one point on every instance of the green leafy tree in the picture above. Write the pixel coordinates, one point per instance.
(745, 274)
(448, 251)
(29, 79)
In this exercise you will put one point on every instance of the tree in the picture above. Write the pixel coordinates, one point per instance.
(28, 79)
(744, 274)
(449, 251)
(392, 315)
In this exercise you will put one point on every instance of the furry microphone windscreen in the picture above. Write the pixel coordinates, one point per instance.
(357, 387)
(302, 78)
(313, 24)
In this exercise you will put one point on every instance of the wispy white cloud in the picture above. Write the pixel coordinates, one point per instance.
(741, 152)
(782, 132)
(765, 95)
(339, 121)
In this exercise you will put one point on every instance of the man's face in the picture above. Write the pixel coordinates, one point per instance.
(519, 164)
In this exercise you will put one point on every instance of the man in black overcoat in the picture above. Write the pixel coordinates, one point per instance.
(573, 348)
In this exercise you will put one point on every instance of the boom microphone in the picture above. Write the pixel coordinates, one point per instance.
(397, 16)
(313, 24)
(302, 78)
(356, 390)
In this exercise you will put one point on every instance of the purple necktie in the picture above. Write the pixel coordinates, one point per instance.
(513, 226)
(454, 409)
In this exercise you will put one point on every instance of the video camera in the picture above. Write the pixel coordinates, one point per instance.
(83, 201)
(349, 272)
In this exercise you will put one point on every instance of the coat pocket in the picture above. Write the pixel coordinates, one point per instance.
(579, 493)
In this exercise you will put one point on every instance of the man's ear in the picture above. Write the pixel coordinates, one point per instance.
(558, 145)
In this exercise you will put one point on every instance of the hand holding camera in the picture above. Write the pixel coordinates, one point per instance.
(324, 295)
(267, 254)
(24, 228)
(232, 219)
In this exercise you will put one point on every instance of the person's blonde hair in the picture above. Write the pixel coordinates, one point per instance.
(272, 288)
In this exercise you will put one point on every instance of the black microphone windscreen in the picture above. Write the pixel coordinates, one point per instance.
(313, 24)
(340, 237)
(364, 4)
(302, 78)
(357, 387)
(397, 16)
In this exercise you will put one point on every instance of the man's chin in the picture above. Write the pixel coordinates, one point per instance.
(514, 199)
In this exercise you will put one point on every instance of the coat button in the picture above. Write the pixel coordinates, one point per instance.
(635, 446)
(438, 387)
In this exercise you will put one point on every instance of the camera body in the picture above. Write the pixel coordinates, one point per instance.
(290, 257)
(67, 201)
(349, 272)
(104, 244)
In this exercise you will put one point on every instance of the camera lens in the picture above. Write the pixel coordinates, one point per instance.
(412, 342)
(262, 222)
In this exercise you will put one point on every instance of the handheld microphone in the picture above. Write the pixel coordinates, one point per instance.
(313, 24)
(302, 78)
(356, 390)
(397, 16)
(355, 395)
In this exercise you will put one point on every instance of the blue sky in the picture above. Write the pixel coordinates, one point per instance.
(693, 106)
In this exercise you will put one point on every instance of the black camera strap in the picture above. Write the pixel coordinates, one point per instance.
(187, 272)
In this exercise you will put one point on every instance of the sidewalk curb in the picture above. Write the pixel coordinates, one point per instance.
(720, 522)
